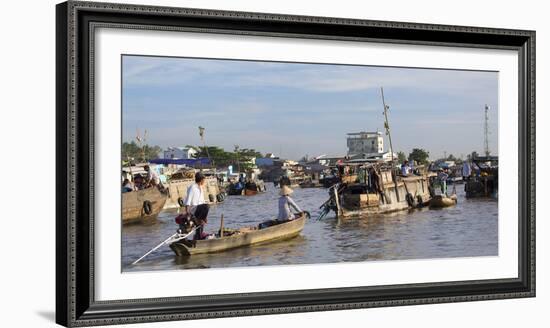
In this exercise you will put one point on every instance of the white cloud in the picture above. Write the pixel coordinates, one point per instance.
(157, 71)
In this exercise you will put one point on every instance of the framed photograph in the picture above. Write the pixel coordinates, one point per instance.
(215, 163)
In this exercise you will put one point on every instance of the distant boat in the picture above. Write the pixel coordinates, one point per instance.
(253, 188)
(292, 182)
(310, 184)
(178, 191)
(329, 181)
(243, 237)
(381, 192)
(247, 188)
(484, 180)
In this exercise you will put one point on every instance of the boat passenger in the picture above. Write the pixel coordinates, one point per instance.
(195, 206)
(443, 176)
(127, 186)
(240, 183)
(476, 169)
(341, 169)
(285, 203)
(152, 179)
(405, 168)
(138, 182)
(466, 171)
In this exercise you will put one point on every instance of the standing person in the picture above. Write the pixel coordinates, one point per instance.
(341, 169)
(285, 203)
(466, 171)
(443, 176)
(152, 179)
(405, 168)
(195, 206)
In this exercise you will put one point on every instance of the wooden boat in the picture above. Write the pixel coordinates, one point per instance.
(439, 201)
(243, 237)
(178, 191)
(250, 192)
(293, 182)
(142, 205)
(391, 193)
(254, 187)
(235, 189)
(310, 184)
(485, 182)
(249, 188)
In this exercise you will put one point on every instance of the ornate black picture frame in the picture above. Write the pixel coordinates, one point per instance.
(75, 301)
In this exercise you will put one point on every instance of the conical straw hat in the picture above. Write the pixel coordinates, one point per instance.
(285, 191)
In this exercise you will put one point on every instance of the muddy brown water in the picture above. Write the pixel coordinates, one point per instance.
(466, 230)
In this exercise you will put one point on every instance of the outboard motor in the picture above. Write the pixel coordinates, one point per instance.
(185, 223)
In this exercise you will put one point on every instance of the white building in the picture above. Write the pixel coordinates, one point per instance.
(179, 153)
(365, 143)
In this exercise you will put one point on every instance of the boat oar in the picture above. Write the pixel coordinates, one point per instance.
(179, 237)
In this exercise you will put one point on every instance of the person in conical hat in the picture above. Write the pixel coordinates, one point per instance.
(286, 191)
(285, 205)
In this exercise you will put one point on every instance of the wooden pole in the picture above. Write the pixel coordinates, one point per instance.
(338, 208)
(221, 227)
(387, 126)
(174, 237)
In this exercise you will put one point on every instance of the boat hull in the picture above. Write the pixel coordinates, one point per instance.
(482, 187)
(134, 208)
(440, 201)
(248, 192)
(393, 200)
(250, 189)
(312, 184)
(253, 237)
(178, 192)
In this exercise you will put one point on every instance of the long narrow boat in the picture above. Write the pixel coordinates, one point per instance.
(243, 237)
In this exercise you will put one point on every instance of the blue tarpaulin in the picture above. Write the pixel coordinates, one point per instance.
(181, 161)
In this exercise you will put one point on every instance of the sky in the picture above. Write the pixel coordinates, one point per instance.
(297, 109)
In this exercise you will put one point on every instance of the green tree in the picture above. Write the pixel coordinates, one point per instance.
(241, 157)
(133, 152)
(217, 155)
(401, 157)
(451, 158)
(419, 155)
(245, 156)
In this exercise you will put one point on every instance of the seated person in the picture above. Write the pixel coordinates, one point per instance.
(138, 182)
(127, 186)
(285, 203)
(152, 179)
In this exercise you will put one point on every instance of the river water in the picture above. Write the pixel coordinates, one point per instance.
(468, 229)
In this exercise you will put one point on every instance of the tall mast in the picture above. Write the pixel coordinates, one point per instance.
(388, 133)
(238, 160)
(386, 123)
(487, 151)
(142, 143)
(201, 134)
